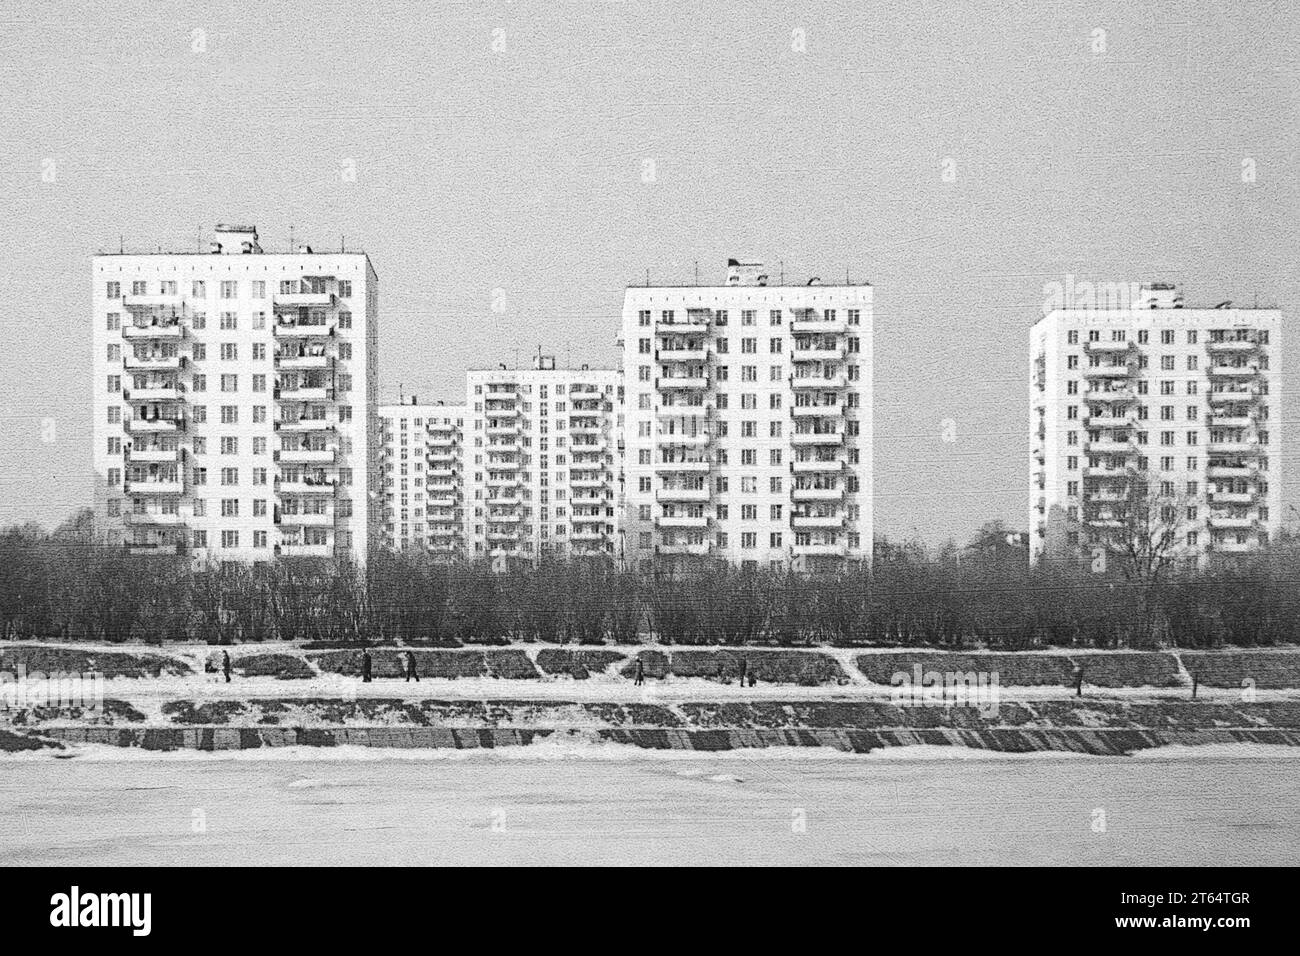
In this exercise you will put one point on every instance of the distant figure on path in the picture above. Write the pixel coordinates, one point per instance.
(752, 680)
(640, 673)
(1195, 684)
(744, 671)
(225, 665)
(366, 666)
(410, 668)
(1078, 682)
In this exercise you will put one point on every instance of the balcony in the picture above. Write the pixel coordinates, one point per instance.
(303, 330)
(504, 517)
(160, 301)
(311, 393)
(1108, 471)
(1231, 421)
(680, 440)
(296, 550)
(145, 425)
(442, 501)
(819, 382)
(285, 488)
(684, 467)
(667, 383)
(817, 494)
(301, 300)
(585, 429)
(817, 326)
(1104, 348)
(154, 518)
(694, 356)
(684, 412)
(1231, 471)
(137, 363)
(587, 536)
(831, 437)
(142, 455)
(502, 429)
(683, 494)
(588, 482)
(306, 456)
(816, 521)
(501, 552)
(1109, 447)
(1232, 371)
(1108, 371)
(307, 519)
(1232, 497)
(171, 331)
(1232, 521)
(1234, 448)
(503, 481)
(835, 354)
(1232, 547)
(682, 521)
(502, 534)
(834, 410)
(804, 466)
(1109, 395)
(1233, 395)
(176, 487)
(441, 473)
(159, 393)
(303, 362)
(1233, 346)
(837, 550)
(693, 326)
(304, 425)
(697, 548)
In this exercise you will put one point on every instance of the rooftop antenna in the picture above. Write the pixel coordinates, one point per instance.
(121, 244)
(697, 271)
(782, 264)
(343, 243)
(401, 394)
(291, 238)
(647, 278)
(516, 357)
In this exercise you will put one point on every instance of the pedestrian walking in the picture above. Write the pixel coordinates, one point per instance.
(225, 665)
(411, 672)
(640, 673)
(1078, 682)
(367, 666)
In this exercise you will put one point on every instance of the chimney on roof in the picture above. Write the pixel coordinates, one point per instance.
(242, 239)
(745, 273)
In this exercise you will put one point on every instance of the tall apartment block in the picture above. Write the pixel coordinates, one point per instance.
(422, 477)
(235, 401)
(1148, 419)
(749, 423)
(542, 462)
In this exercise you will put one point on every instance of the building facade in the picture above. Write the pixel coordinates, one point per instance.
(1154, 425)
(748, 423)
(542, 463)
(422, 477)
(235, 402)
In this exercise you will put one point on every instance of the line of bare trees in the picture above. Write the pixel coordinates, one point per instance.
(62, 586)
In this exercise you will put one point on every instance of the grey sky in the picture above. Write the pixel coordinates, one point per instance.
(520, 169)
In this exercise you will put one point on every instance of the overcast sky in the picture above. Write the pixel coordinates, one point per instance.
(505, 146)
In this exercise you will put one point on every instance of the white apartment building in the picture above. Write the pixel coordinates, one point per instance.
(542, 463)
(235, 401)
(749, 423)
(1145, 407)
(422, 479)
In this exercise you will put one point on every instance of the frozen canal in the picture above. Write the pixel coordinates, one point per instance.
(616, 805)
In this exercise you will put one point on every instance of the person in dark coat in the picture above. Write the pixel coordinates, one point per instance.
(225, 665)
(1078, 682)
(744, 671)
(640, 673)
(366, 667)
(410, 668)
